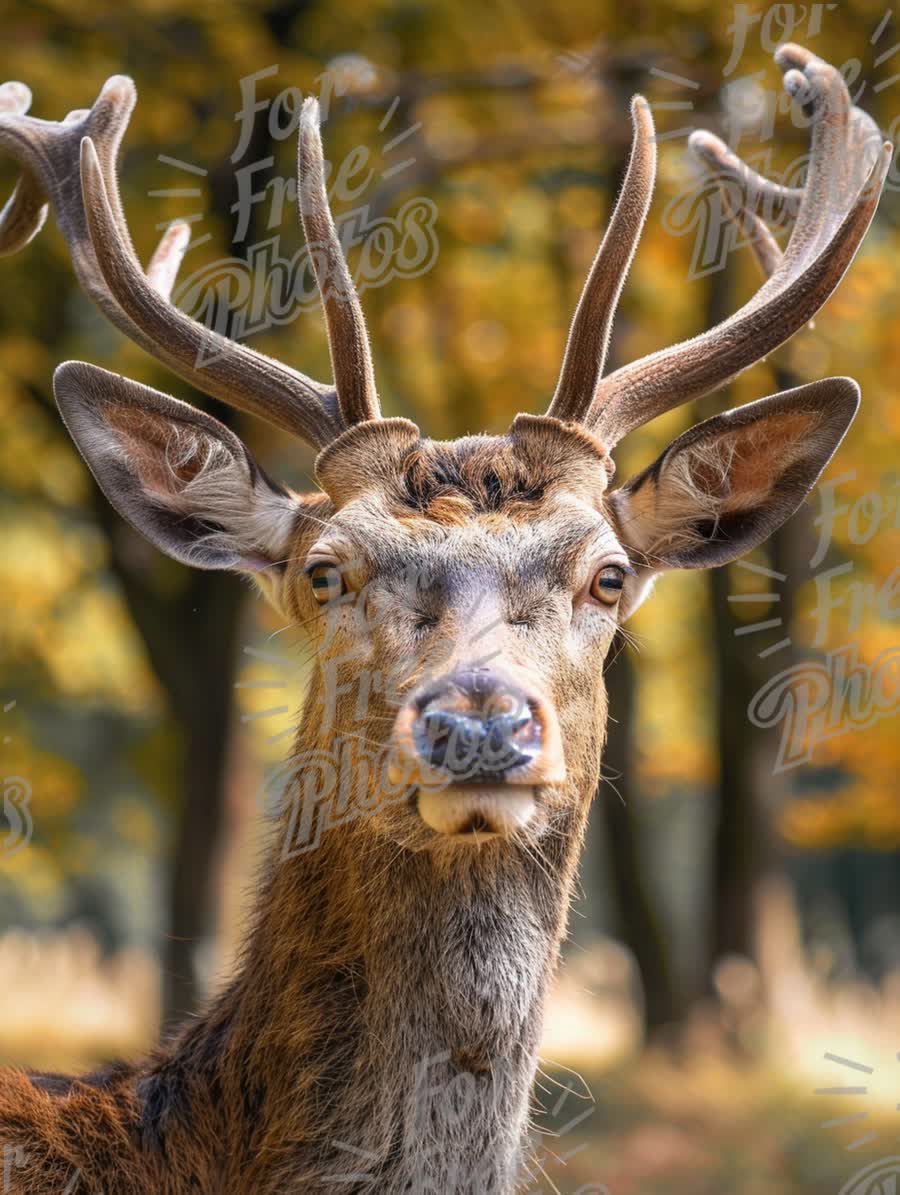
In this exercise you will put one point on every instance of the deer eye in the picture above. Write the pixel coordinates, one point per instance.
(326, 581)
(607, 584)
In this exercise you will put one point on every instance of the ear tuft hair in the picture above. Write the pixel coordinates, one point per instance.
(175, 473)
(725, 485)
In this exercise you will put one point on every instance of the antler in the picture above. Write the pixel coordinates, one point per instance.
(847, 167)
(72, 166)
(591, 326)
(348, 343)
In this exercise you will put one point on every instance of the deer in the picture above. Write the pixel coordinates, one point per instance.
(382, 1026)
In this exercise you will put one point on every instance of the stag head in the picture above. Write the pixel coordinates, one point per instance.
(476, 584)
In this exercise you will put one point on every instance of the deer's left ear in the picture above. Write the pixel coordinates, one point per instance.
(176, 474)
(725, 485)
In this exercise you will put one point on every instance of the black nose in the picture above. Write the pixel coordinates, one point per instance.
(476, 744)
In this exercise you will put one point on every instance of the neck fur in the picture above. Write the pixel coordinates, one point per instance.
(385, 1021)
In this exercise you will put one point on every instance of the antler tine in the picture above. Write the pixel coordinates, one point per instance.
(742, 191)
(24, 214)
(845, 145)
(165, 263)
(48, 153)
(348, 341)
(844, 180)
(589, 335)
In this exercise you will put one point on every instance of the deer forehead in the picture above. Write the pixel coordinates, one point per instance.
(466, 511)
(538, 458)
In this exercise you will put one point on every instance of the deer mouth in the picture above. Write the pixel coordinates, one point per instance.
(474, 812)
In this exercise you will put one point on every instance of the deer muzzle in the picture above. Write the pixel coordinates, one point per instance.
(480, 744)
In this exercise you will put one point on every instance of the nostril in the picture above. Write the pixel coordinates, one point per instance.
(507, 727)
(498, 736)
(510, 740)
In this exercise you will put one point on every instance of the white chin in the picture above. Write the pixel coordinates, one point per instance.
(476, 812)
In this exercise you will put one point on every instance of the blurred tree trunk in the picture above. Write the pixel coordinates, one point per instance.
(736, 845)
(205, 715)
(737, 859)
(749, 791)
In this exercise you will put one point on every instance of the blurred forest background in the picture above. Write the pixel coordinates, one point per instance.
(738, 921)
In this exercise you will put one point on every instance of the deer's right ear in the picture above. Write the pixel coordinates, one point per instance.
(176, 474)
(726, 484)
